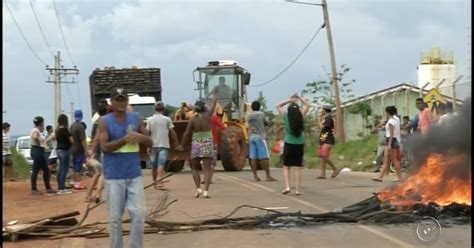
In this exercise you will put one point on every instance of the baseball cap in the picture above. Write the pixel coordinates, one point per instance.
(327, 107)
(78, 115)
(117, 92)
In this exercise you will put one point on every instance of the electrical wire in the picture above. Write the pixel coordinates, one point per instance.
(62, 33)
(294, 60)
(40, 28)
(22, 34)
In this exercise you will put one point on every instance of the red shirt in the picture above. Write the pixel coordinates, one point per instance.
(216, 124)
(424, 120)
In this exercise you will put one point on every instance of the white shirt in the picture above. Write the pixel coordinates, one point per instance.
(395, 122)
(444, 118)
(159, 126)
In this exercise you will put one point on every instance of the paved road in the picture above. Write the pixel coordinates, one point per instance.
(231, 189)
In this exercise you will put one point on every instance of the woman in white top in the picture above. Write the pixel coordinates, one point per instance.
(37, 154)
(393, 137)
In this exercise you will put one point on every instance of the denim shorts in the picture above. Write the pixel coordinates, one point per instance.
(159, 156)
(394, 144)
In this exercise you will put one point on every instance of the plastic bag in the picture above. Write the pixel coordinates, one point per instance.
(54, 154)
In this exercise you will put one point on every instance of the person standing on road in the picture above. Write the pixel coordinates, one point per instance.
(202, 147)
(50, 152)
(294, 139)
(95, 156)
(160, 127)
(393, 138)
(258, 149)
(120, 134)
(78, 149)
(217, 127)
(63, 145)
(382, 143)
(39, 160)
(6, 153)
(424, 116)
(326, 141)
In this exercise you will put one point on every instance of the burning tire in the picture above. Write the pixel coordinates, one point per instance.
(234, 149)
(174, 166)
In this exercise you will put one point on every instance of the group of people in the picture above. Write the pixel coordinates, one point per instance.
(60, 145)
(393, 134)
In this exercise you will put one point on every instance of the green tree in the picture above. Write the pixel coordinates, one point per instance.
(263, 101)
(321, 92)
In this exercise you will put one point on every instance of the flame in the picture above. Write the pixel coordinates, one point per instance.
(438, 180)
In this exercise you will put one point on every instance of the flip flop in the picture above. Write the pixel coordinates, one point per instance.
(320, 177)
(285, 191)
(256, 179)
(337, 173)
(377, 179)
(271, 179)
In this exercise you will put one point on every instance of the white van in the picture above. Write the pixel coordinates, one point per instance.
(23, 147)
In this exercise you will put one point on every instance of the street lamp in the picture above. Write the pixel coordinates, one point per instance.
(339, 117)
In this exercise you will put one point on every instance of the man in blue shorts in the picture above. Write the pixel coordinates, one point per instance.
(258, 145)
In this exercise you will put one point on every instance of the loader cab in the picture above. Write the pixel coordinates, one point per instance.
(228, 82)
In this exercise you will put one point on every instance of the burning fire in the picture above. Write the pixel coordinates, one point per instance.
(435, 181)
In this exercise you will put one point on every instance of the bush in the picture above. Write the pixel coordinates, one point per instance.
(21, 169)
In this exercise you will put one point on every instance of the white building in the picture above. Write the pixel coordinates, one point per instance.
(435, 66)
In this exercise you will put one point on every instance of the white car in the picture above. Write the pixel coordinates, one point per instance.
(23, 147)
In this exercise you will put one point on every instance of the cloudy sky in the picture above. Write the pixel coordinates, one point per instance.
(380, 41)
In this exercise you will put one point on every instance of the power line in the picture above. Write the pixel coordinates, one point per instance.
(41, 29)
(62, 33)
(294, 60)
(22, 34)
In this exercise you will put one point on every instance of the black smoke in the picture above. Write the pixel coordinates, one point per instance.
(452, 138)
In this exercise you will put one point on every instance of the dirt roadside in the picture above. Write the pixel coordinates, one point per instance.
(19, 204)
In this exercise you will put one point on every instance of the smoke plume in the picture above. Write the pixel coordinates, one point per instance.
(452, 138)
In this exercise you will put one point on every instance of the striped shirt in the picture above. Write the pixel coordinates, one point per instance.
(6, 144)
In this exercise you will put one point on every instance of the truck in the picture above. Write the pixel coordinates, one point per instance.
(233, 146)
(142, 84)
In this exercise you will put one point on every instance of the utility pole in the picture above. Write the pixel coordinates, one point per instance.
(334, 79)
(58, 72)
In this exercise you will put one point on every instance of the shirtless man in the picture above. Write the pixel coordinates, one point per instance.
(202, 146)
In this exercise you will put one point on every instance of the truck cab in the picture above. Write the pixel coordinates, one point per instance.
(228, 81)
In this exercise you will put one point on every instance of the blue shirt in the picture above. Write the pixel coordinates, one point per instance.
(123, 163)
(414, 123)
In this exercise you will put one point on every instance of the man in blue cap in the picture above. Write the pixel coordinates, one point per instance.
(78, 149)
